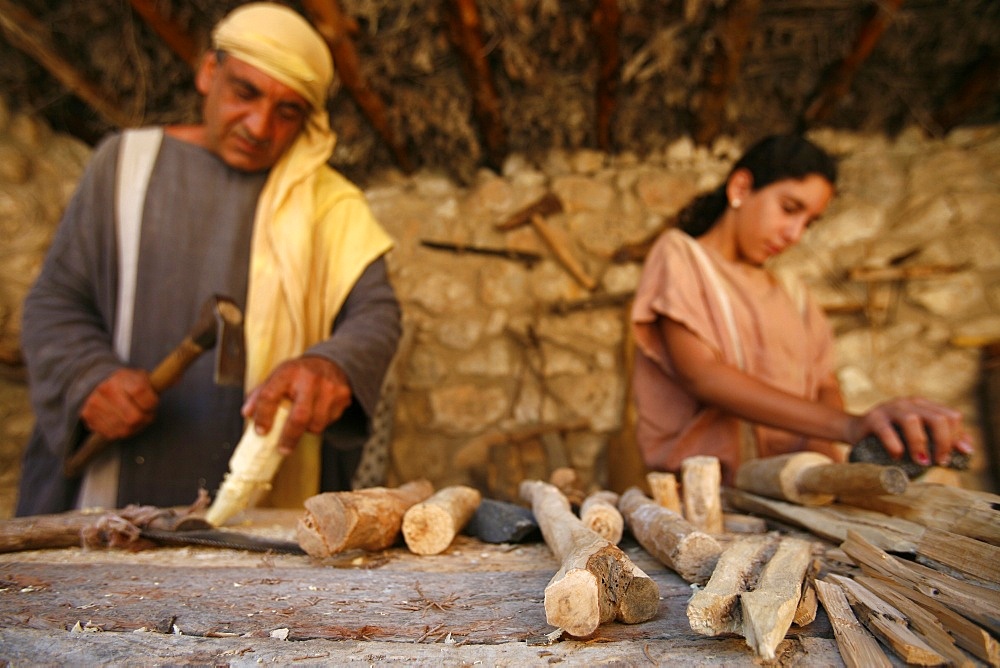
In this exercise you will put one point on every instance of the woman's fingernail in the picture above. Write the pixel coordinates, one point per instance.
(922, 459)
(965, 446)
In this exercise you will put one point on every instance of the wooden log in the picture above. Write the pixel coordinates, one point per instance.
(967, 512)
(663, 487)
(731, 36)
(975, 88)
(778, 477)
(336, 28)
(367, 519)
(969, 636)
(920, 620)
(498, 521)
(834, 522)
(858, 647)
(430, 526)
(715, 610)
(813, 479)
(29, 35)
(173, 34)
(597, 582)
(769, 609)
(737, 523)
(979, 604)
(605, 22)
(59, 530)
(670, 538)
(887, 624)
(600, 513)
(567, 481)
(838, 83)
(466, 32)
(701, 482)
(966, 556)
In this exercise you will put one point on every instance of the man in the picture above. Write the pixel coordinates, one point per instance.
(244, 205)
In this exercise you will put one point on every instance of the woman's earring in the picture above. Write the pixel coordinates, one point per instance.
(736, 203)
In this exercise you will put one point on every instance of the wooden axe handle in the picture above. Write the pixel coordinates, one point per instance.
(166, 373)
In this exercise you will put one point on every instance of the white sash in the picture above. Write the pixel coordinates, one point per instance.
(137, 153)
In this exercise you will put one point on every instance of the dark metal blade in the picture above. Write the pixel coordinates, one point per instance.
(225, 539)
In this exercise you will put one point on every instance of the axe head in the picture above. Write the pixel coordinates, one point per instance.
(220, 326)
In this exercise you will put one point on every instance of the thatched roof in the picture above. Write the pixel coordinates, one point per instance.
(458, 84)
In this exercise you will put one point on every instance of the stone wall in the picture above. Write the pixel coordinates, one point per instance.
(511, 368)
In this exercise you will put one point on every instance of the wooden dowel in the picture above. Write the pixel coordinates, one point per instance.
(430, 526)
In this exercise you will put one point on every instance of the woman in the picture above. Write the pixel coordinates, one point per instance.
(731, 364)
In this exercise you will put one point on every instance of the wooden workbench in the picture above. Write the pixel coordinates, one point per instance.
(476, 603)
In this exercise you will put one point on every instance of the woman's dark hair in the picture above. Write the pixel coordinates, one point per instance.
(772, 159)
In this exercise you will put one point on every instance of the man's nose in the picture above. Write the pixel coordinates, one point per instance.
(260, 122)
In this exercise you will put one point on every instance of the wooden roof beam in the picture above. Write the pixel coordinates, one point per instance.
(337, 28)
(466, 33)
(839, 82)
(972, 93)
(606, 20)
(732, 35)
(29, 35)
(172, 33)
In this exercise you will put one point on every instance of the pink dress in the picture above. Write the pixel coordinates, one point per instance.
(784, 344)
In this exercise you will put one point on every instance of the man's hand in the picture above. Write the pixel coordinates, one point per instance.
(319, 393)
(121, 405)
(916, 417)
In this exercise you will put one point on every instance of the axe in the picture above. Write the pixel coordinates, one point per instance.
(219, 326)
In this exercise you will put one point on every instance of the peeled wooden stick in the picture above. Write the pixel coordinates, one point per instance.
(769, 609)
(664, 489)
(701, 482)
(715, 609)
(369, 519)
(600, 513)
(251, 469)
(597, 581)
(430, 526)
(670, 538)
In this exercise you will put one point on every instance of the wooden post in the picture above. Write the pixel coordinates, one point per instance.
(172, 33)
(599, 512)
(701, 484)
(858, 647)
(430, 526)
(605, 21)
(664, 489)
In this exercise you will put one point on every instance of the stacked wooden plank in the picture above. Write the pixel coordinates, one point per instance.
(920, 571)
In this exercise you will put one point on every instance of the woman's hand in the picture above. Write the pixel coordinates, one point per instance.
(916, 417)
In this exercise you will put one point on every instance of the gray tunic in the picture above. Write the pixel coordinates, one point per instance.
(195, 242)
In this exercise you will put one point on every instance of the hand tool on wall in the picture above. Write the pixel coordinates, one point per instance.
(813, 479)
(219, 327)
(534, 214)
